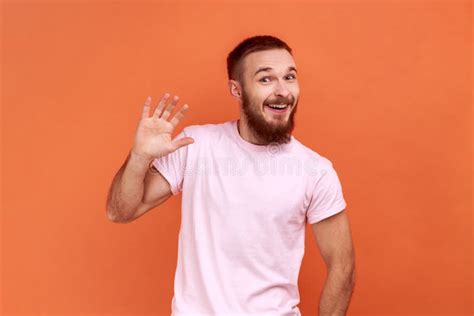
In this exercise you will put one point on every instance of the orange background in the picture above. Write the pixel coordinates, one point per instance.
(386, 92)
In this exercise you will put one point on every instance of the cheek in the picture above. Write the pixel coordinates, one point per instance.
(259, 99)
(264, 95)
(297, 91)
(260, 94)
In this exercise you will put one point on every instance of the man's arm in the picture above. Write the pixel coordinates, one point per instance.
(135, 190)
(333, 236)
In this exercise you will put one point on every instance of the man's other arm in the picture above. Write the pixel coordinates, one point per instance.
(333, 236)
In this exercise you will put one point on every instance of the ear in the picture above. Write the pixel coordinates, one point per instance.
(235, 89)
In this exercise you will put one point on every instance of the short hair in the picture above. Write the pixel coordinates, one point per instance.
(250, 45)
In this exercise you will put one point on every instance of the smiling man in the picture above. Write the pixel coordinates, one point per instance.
(249, 189)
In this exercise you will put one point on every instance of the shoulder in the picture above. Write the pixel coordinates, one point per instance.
(205, 130)
(317, 167)
(320, 173)
(313, 158)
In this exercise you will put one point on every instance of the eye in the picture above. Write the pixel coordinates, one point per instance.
(290, 77)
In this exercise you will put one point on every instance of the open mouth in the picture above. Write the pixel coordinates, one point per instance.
(277, 108)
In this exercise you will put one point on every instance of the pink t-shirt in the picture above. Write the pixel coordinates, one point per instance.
(244, 212)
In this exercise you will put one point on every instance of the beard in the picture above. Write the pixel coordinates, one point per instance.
(268, 132)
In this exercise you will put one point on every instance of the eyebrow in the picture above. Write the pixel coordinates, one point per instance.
(270, 68)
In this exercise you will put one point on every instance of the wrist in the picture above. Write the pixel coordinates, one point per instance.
(140, 158)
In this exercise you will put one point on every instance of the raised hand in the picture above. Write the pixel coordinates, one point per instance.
(153, 136)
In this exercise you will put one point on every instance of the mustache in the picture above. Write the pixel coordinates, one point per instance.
(281, 101)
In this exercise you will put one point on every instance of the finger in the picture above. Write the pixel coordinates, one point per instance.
(161, 105)
(178, 143)
(146, 108)
(170, 108)
(179, 115)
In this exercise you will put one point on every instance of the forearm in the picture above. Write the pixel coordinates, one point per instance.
(337, 292)
(127, 187)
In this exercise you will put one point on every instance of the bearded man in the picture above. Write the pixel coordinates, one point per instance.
(241, 240)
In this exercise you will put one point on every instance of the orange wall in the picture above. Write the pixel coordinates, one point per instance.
(385, 94)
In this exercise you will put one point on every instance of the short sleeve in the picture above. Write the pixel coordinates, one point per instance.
(326, 197)
(173, 165)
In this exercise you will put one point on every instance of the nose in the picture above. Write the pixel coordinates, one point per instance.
(282, 90)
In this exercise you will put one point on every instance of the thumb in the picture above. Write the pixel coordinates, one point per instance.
(178, 143)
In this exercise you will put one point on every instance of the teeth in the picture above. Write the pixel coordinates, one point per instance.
(278, 106)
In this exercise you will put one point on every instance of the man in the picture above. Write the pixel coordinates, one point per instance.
(249, 187)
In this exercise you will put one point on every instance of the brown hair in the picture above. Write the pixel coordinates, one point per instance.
(247, 46)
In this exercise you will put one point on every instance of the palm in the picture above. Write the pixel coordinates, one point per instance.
(154, 134)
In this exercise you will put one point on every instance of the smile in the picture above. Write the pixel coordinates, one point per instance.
(277, 108)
